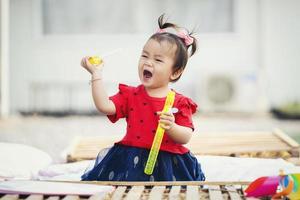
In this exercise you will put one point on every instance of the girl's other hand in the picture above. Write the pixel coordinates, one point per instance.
(90, 67)
(166, 120)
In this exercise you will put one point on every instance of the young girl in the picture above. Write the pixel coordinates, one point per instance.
(162, 61)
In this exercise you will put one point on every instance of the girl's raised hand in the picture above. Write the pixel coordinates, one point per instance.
(90, 67)
(166, 120)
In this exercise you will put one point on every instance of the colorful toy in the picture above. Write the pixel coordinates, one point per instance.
(158, 137)
(275, 186)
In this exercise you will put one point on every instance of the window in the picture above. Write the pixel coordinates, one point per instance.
(134, 16)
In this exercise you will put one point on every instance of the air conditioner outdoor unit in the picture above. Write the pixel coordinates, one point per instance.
(228, 92)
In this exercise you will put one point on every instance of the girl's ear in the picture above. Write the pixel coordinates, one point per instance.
(176, 74)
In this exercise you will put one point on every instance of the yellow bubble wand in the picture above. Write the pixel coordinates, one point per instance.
(159, 134)
(97, 60)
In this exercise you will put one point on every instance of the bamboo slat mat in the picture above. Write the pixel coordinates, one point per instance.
(264, 144)
(153, 191)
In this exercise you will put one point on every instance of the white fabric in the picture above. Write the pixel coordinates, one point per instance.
(223, 168)
(215, 168)
(19, 161)
(65, 172)
(53, 188)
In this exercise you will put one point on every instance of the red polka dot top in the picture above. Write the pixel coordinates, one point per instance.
(139, 109)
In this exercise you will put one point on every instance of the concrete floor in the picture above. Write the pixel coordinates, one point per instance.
(54, 134)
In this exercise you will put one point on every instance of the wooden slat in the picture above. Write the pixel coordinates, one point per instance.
(71, 197)
(53, 198)
(98, 197)
(207, 143)
(215, 192)
(157, 192)
(119, 192)
(85, 148)
(233, 193)
(291, 142)
(192, 192)
(204, 193)
(35, 197)
(162, 183)
(211, 191)
(10, 197)
(135, 193)
(174, 193)
(72, 148)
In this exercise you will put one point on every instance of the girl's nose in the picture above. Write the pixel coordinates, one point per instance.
(148, 62)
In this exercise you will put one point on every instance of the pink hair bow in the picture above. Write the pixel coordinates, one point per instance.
(183, 34)
(188, 40)
(161, 30)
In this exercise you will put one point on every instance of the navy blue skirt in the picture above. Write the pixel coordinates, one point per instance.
(125, 163)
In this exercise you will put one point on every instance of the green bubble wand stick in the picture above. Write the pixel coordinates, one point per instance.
(158, 137)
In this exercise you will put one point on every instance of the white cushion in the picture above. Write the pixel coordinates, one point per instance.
(19, 161)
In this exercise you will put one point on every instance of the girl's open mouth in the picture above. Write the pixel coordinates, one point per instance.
(147, 74)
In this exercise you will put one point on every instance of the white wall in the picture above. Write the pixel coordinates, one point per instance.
(52, 62)
(234, 55)
(4, 58)
(281, 47)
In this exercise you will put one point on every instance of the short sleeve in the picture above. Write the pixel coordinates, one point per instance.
(121, 103)
(186, 108)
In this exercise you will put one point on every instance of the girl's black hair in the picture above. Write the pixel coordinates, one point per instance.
(182, 52)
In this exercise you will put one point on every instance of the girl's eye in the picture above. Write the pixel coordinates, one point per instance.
(158, 60)
(144, 56)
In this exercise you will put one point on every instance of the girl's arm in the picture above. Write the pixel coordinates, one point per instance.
(179, 134)
(100, 97)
